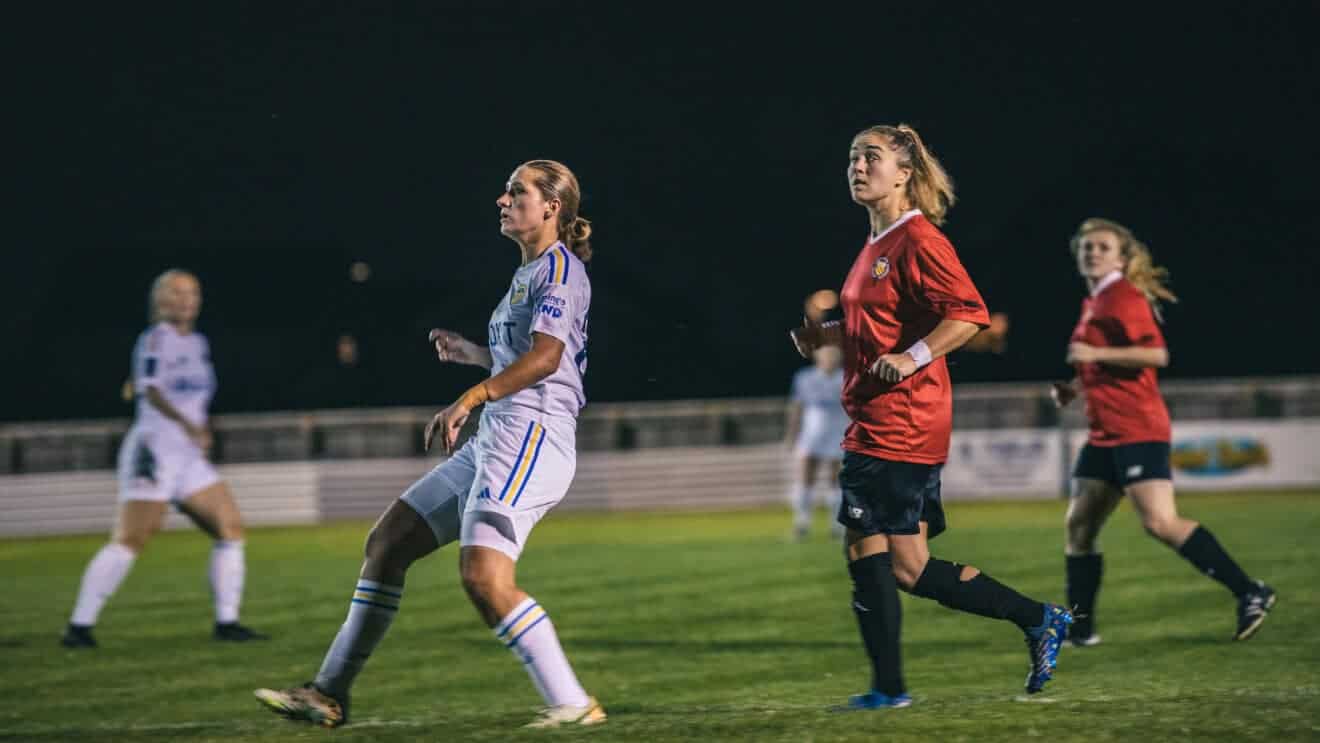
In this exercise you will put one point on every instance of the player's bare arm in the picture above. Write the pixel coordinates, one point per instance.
(538, 363)
(454, 348)
(199, 434)
(1130, 357)
(947, 337)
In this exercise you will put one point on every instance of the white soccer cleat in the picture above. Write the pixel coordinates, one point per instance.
(305, 703)
(566, 714)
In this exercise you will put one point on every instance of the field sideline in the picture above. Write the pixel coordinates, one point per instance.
(688, 627)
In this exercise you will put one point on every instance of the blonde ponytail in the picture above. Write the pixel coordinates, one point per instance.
(578, 238)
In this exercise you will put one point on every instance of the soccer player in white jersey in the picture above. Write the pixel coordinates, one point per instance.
(816, 426)
(163, 460)
(491, 492)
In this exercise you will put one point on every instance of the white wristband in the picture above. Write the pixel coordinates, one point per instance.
(920, 353)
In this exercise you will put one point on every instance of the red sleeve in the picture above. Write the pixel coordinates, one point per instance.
(942, 285)
(1138, 321)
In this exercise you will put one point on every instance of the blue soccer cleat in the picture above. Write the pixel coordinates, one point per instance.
(876, 700)
(1043, 645)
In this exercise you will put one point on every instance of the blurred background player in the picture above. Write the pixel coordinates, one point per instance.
(908, 301)
(163, 460)
(1116, 348)
(816, 425)
(494, 489)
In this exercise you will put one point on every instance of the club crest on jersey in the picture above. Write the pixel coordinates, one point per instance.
(881, 268)
(518, 295)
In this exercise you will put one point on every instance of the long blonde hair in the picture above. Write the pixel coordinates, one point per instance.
(555, 181)
(1138, 266)
(930, 188)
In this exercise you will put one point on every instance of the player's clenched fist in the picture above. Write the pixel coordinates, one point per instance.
(894, 367)
(452, 347)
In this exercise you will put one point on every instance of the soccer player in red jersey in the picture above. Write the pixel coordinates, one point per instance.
(1116, 348)
(907, 302)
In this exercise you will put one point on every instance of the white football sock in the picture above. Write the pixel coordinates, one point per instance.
(802, 507)
(227, 572)
(528, 632)
(100, 581)
(369, 615)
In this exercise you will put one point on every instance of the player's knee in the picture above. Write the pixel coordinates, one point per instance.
(907, 573)
(1163, 529)
(1080, 533)
(1080, 541)
(484, 586)
(386, 550)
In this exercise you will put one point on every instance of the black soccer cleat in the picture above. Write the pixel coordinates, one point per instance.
(1252, 610)
(235, 632)
(78, 636)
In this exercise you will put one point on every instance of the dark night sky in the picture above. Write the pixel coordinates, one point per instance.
(266, 148)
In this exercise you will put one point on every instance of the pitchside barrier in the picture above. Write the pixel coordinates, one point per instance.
(304, 468)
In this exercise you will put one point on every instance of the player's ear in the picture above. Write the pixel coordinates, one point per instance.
(903, 175)
(552, 208)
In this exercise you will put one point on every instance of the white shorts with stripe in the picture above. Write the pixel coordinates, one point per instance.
(162, 466)
(500, 483)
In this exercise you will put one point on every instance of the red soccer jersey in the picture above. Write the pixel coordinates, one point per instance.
(904, 282)
(1123, 406)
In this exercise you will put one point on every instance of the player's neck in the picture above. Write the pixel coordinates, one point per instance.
(1100, 283)
(533, 250)
(886, 213)
(180, 327)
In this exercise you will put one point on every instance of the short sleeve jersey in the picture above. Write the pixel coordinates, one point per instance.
(180, 367)
(1123, 405)
(549, 295)
(902, 284)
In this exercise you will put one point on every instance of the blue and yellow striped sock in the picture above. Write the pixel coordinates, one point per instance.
(528, 632)
(369, 615)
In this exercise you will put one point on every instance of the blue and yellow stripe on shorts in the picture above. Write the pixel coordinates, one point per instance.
(558, 265)
(374, 595)
(523, 465)
(519, 625)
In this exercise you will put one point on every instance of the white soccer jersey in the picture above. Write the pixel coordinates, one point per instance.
(180, 367)
(824, 421)
(550, 295)
(522, 460)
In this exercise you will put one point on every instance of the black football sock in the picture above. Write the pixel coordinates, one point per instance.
(1084, 574)
(880, 617)
(1203, 550)
(982, 595)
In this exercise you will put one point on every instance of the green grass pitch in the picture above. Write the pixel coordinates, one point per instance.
(689, 627)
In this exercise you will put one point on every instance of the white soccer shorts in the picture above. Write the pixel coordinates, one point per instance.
(499, 484)
(162, 467)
